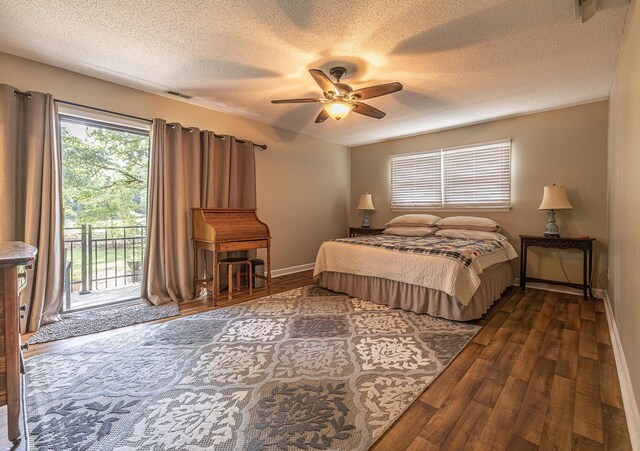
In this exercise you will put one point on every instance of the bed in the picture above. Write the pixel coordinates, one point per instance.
(452, 278)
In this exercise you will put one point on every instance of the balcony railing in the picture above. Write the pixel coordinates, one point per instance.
(102, 258)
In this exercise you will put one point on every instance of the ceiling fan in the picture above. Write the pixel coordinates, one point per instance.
(340, 98)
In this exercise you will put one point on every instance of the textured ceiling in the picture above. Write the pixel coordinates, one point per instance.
(460, 61)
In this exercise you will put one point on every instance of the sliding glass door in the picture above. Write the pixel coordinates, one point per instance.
(104, 187)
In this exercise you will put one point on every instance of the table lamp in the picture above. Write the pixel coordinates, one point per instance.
(366, 204)
(555, 198)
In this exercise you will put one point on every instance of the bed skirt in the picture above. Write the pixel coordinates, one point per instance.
(494, 281)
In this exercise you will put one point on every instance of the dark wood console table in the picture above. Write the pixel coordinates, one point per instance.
(584, 244)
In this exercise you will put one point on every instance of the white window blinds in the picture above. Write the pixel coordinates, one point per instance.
(476, 176)
(416, 180)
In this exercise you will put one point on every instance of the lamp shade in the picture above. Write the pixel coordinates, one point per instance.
(555, 198)
(338, 110)
(365, 202)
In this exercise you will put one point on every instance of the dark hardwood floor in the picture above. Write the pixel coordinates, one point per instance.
(539, 375)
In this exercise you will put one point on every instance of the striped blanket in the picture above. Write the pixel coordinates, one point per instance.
(464, 251)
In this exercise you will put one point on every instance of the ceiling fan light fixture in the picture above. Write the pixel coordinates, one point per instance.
(338, 110)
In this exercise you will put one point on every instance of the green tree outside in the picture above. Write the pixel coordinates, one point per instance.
(104, 176)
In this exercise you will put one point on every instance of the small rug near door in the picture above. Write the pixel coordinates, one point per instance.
(304, 369)
(99, 320)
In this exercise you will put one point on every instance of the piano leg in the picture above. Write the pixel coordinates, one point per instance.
(216, 276)
(230, 284)
(195, 270)
(269, 268)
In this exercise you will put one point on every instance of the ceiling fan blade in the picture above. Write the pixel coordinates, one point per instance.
(368, 110)
(323, 116)
(377, 91)
(323, 81)
(307, 100)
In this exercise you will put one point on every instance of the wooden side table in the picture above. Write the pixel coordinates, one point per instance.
(584, 244)
(359, 231)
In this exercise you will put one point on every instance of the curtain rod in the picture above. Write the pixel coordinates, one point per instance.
(28, 94)
(262, 146)
(103, 111)
(21, 93)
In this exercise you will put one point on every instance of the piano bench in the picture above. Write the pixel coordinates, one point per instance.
(231, 262)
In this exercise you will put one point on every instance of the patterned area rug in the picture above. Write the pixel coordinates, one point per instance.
(305, 369)
(93, 321)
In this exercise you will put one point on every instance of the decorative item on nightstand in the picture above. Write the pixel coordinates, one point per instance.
(366, 204)
(555, 198)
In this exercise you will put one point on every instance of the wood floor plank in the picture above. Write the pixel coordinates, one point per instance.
(512, 302)
(602, 329)
(497, 430)
(560, 311)
(558, 426)
(442, 422)
(588, 345)
(421, 444)
(616, 432)
(508, 357)
(400, 438)
(518, 443)
(546, 312)
(610, 393)
(523, 307)
(567, 363)
(531, 417)
(496, 344)
(489, 392)
(441, 388)
(588, 311)
(528, 356)
(573, 316)
(521, 333)
(588, 411)
(552, 340)
(465, 432)
(486, 334)
(582, 443)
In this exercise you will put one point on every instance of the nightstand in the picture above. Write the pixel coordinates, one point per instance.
(359, 231)
(584, 244)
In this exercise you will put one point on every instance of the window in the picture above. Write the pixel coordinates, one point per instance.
(476, 176)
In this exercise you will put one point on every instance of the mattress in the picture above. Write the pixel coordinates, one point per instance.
(450, 265)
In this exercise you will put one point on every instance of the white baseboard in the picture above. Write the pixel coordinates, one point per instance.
(629, 400)
(597, 292)
(292, 270)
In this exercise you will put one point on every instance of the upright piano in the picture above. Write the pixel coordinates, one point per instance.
(226, 230)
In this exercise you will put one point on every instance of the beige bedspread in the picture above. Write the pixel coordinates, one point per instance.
(429, 271)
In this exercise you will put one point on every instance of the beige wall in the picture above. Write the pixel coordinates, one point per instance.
(566, 146)
(303, 182)
(624, 195)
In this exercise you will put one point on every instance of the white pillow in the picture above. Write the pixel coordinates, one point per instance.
(414, 220)
(469, 223)
(410, 231)
(471, 234)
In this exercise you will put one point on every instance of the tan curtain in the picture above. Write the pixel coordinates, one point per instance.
(188, 168)
(31, 197)
(228, 172)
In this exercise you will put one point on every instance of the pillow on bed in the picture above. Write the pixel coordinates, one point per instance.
(410, 231)
(469, 223)
(414, 220)
(471, 234)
